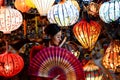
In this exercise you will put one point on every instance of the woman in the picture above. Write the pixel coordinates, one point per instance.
(54, 38)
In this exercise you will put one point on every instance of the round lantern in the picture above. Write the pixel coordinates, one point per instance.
(29, 3)
(1, 2)
(12, 64)
(87, 33)
(43, 6)
(10, 19)
(110, 11)
(111, 59)
(64, 14)
(92, 71)
(20, 5)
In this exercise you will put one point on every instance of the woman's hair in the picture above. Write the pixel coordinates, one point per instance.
(52, 29)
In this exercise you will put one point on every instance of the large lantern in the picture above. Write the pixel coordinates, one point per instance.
(111, 59)
(10, 19)
(11, 64)
(110, 11)
(43, 6)
(64, 14)
(21, 5)
(87, 33)
(92, 71)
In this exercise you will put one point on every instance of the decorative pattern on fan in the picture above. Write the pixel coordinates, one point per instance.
(57, 63)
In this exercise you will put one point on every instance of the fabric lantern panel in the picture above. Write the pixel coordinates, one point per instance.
(10, 19)
(65, 14)
(43, 6)
(110, 11)
(111, 59)
(30, 3)
(12, 64)
(21, 5)
(87, 33)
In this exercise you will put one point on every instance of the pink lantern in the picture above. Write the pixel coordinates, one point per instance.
(10, 19)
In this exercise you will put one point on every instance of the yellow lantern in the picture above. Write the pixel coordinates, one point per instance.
(111, 59)
(43, 6)
(87, 33)
(10, 19)
(30, 3)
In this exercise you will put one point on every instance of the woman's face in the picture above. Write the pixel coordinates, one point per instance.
(56, 39)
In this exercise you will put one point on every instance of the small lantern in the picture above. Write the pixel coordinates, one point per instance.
(43, 6)
(10, 19)
(111, 59)
(11, 64)
(87, 33)
(64, 14)
(92, 71)
(21, 5)
(110, 11)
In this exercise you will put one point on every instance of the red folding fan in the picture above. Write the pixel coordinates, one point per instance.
(55, 62)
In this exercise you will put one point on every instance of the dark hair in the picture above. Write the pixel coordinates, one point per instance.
(52, 29)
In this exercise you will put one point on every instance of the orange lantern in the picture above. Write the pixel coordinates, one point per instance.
(111, 59)
(20, 5)
(10, 19)
(92, 71)
(1, 2)
(87, 33)
(11, 64)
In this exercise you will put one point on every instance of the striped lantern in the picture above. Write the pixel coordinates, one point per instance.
(10, 19)
(64, 14)
(92, 71)
(110, 11)
(111, 59)
(43, 6)
(87, 33)
(21, 5)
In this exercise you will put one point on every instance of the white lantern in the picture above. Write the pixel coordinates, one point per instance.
(65, 14)
(43, 6)
(10, 19)
(110, 11)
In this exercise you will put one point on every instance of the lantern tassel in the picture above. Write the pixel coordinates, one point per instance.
(25, 28)
(36, 27)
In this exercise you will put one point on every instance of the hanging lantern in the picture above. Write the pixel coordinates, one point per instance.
(110, 11)
(1, 2)
(21, 5)
(64, 14)
(43, 6)
(93, 8)
(29, 3)
(12, 64)
(87, 33)
(111, 59)
(10, 19)
(92, 71)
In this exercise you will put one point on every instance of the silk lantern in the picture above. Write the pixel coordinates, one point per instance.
(111, 59)
(63, 14)
(43, 6)
(29, 3)
(10, 19)
(92, 71)
(87, 33)
(21, 5)
(12, 64)
(110, 11)
(1, 2)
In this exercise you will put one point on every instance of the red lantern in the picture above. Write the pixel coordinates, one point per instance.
(21, 5)
(11, 64)
(1, 2)
(87, 33)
